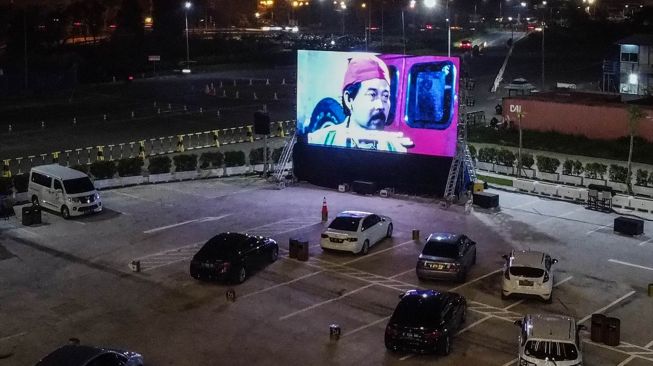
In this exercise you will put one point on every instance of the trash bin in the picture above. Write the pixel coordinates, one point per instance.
(598, 327)
(302, 250)
(36, 214)
(27, 215)
(612, 333)
(292, 248)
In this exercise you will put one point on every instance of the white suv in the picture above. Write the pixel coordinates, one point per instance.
(528, 273)
(549, 340)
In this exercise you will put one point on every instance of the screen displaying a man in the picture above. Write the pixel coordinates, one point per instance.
(366, 103)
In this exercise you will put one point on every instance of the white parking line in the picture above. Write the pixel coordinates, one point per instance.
(379, 252)
(649, 344)
(597, 229)
(475, 279)
(626, 361)
(607, 306)
(474, 324)
(510, 362)
(13, 336)
(522, 300)
(281, 284)
(630, 264)
(325, 302)
(645, 242)
(203, 219)
(366, 326)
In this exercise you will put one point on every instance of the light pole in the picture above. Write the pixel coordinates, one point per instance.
(367, 27)
(187, 6)
(431, 4)
(343, 8)
(543, 26)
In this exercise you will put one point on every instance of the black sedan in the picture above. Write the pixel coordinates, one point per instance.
(232, 256)
(425, 321)
(76, 355)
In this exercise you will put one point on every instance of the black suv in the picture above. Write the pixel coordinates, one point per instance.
(424, 321)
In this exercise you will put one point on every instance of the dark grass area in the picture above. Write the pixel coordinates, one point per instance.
(495, 180)
(565, 144)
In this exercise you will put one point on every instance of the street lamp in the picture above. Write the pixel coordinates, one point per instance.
(431, 4)
(187, 6)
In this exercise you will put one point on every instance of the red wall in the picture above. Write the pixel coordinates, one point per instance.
(593, 121)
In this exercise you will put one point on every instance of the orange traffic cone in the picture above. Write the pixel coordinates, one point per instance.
(325, 210)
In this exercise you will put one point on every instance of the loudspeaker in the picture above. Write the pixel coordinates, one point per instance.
(628, 226)
(486, 200)
(363, 187)
(261, 123)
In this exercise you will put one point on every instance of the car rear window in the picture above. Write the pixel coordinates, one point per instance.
(221, 246)
(79, 185)
(345, 223)
(440, 249)
(416, 311)
(556, 351)
(526, 272)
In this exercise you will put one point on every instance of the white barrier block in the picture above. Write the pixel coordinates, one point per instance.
(524, 185)
(546, 189)
(641, 204)
(571, 193)
(621, 201)
(583, 194)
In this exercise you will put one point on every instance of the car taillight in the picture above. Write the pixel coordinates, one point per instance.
(432, 336)
(352, 239)
(546, 277)
(506, 274)
(225, 267)
(324, 236)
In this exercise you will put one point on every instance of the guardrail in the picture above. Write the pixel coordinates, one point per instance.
(146, 147)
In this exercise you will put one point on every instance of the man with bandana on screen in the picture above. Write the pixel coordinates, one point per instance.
(366, 103)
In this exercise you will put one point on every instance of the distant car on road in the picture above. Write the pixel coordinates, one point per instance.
(232, 256)
(528, 273)
(76, 355)
(546, 339)
(446, 256)
(425, 321)
(356, 231)
(466, 45)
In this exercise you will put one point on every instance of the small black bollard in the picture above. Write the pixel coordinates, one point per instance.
(135, 266)
(415, 234)
(334, 332)
(231, 295)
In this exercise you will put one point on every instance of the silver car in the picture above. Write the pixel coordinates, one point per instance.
(446, 256)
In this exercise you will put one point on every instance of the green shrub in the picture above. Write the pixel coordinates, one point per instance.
(256, 156)
(81, 168)
(211, 160)
(21, 182)
(159, 165)
(595, 170)
(527, 160)
(185, 162)
(641, 177)
(568, 167)
(487, 154)
(472, 151)
(276, 154)
(103, 169)
(546, 164)
(130, 167)
(578, 168)
(234, 158)
(506, 157)
(5, 185)
(618, 173)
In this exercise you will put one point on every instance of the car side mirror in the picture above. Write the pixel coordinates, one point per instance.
(554, 261)
(518, 323)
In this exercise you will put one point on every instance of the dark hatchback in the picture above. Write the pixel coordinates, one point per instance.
(232, 256)
(446, 256)
(76, 355)
(425, 321)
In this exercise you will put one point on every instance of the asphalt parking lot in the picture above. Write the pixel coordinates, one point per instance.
(64, 279)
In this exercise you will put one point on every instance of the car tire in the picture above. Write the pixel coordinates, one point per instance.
(65, 212)
(274, 255)
(389, 232)
(365, 248)
(35, 200)
(444, 346)
(549, 300)
(241, 275)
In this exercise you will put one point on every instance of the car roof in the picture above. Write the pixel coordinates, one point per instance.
(425, 293)
(527, 258)
(59, 171)
(443, 238)
(357, 214)
(71, 355)
(551, 327)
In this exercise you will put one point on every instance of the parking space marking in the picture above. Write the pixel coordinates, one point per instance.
(283, 226)
(473, 324)
(631, 293)
(168, 257)
(554, 285)
(281, 284)
(524, 204)
(642, 353)
(630, 264)
(378, 252)
(626, 361)
(510, 362)
(356, 330)
(645, 242)
(649, 344)
(203, 219)
(475, 279)
(140, 198)
(563, 215)
(326, 302)
(13, 336)
(597, 229)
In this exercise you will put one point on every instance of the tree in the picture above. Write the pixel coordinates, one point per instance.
(635, 115)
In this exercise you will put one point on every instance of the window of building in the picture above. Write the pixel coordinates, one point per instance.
(629, 57)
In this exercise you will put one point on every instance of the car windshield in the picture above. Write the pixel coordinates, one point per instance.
(417, 311)
(556, 351)
(223, 246)
(526, 272)
(440, 249)
(79, 185)
(345, 223)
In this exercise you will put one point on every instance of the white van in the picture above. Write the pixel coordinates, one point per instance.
(547, 339)
(62, 189)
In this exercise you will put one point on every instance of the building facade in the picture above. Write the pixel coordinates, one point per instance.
(636, 65)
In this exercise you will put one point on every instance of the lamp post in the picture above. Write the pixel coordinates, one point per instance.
(187, 5)
(343, 8)
(543, 26)
(431, 4)
(368, 25)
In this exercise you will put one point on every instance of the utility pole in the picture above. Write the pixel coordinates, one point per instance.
(25, 47)
(543, 27)
(520, 114)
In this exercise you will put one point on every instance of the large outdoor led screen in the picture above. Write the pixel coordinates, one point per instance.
(392, 103)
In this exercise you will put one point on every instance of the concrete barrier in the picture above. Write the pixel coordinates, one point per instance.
(641, 204)
(571, 193)
(583, 194)
(546, 189)
(524, 185)
(621, 201)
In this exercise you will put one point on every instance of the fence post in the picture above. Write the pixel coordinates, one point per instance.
(19, 163)
(88, 155)
(141, 149)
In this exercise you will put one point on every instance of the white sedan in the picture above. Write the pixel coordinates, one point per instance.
(356, 231)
